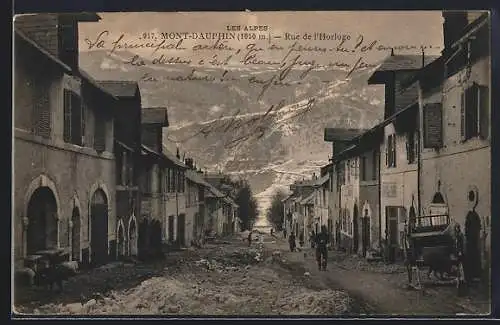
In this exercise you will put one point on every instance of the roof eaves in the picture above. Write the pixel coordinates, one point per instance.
(42, 50)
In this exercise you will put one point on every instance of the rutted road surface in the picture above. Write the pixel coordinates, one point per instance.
(230, 278)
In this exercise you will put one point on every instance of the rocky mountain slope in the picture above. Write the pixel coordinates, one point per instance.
(217, 117)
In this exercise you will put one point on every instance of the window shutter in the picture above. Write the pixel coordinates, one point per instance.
(433, 119)
(484, 112)
(393, 148)
(76, 119)
(100, 133)
(83, 121)
(67, 116)
(462, 117)
(408, 148)
(124, 168)
(471, 111)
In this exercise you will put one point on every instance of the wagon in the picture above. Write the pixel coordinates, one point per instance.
(434, 242)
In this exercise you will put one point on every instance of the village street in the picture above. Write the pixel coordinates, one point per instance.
(228, 278)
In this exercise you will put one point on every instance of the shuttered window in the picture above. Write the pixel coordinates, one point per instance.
(411, 147)
(391, 151)
(41, 110)
(100, 133)
(475, 112)
(433, 125)
(74, 119)
(374, 165)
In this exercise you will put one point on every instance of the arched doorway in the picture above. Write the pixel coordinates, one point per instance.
(132, 235)
(181, 230)
(99, 228)
(42, 228)
(472, 247)
(355, 235)
(365, 230)
(75, 235)
(121, 241)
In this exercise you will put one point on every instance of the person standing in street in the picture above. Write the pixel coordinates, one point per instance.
(284, 233)
(291, 242)
(249, 238)
(321, 241)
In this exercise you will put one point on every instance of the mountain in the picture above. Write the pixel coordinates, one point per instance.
(217, 117)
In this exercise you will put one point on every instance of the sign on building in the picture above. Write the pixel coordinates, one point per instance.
(389, 190)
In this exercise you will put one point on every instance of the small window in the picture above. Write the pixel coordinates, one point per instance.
(374, 165)
(41, 110)
(475, 112)
(74, 119)
(411, 147)
(100, 133)
(363, 168)
(391, 151)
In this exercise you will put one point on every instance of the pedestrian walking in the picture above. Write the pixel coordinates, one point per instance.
(291, 242)
(312, 238)
(321, 243)
(249, 238)
(284, 233)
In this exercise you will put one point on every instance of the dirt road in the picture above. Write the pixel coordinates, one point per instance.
(229, 278)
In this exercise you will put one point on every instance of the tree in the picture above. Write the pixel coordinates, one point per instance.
(248, 207)
(275, 212)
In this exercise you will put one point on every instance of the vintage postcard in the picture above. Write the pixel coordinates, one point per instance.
(252, 163)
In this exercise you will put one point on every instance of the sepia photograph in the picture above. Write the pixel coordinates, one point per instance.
(251, 164)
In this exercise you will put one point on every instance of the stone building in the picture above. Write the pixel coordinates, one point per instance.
(195, 201)
(127, 151)
(398, 168)
(454, 112)
(346, 167)
(64, 168)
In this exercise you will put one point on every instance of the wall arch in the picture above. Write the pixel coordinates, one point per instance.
(75, 205)
(132, 238)
(42, 180)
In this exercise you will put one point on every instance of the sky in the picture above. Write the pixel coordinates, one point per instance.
(390, 28)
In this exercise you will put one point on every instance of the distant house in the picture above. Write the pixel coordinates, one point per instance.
(64, 168)
(127, 150)
(214, 205)
(195, 201)
(345, 163)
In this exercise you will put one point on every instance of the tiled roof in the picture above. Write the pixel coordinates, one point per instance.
(122, 88)
(94, 82)
(155, 115)
(340, 134)
(400, 63)
(213, 192)
(307, 199)
(322, 180)
(170, 156)
(195, 178)
(405, 62)
(42, 50)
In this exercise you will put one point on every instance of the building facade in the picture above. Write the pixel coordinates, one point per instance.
(399, 168)
(64, 172)
(455, 110)
(127, 150)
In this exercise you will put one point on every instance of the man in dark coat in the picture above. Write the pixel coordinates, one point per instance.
(321, 241)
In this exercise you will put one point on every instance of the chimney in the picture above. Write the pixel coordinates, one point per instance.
(189, 162)
(392, 51)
